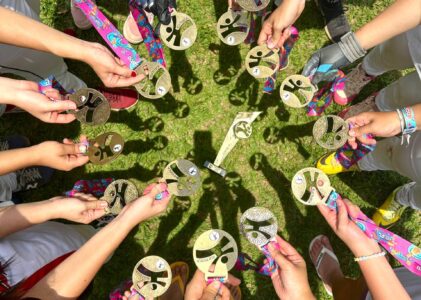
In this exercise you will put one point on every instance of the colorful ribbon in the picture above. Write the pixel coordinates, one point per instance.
(318, 105)
(95, 187)
(110, 34)
(152, 42)
(406, 253)
(245, 262)
(51, 83)
(347, 156)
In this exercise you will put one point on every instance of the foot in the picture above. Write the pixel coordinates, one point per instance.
(355, 81)
(14, 142)
(79, 18)
(367, 105)
(390, 212)
(32, 178)
(330, 165)
(176, 291)
(120, 99)
(336, 23)
(131, 31)
(328, 269)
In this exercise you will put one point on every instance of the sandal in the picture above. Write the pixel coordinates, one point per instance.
(319, 260)
(178, 280)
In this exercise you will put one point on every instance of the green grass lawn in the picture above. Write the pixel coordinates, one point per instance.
(210, 86)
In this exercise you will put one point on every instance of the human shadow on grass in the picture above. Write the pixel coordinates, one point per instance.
(222, 201)
(168, 104)
(292, 133)
(181, 67)
(132, 119)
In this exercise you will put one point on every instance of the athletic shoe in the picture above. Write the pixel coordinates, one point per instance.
(32, 178)
(14, 142)
(335, 20)
(330, 165)
(79, 18)
(120, 99)
(369, 104)
(355, 81)
(390, 212)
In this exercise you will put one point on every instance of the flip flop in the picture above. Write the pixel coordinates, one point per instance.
(319, 259)
(177, 279)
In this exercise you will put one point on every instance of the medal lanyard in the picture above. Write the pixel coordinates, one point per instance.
(406, 253)
(245, 262)
(110, 34)
(152, 42)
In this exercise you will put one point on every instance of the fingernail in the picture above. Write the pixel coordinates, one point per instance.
(216, 284)
(104, 204)
(83, 149)
(271, 44)
(352, 133)
(134, 74)
(271, 246)
(163, 186)
(72, 105)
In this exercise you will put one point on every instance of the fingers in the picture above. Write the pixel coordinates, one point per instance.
(156, 189)
(76, 161)
(274, 40)
(122, 81)
(72, 149)
(265, 33)
(286, 247)
(214, 289)
(58, 118)
(234, 281)
(96, 204)
(53, 94)
(60, 105)
(353, 210)
(342, 214)
(124, 71)
(280, 259)
(328, 214)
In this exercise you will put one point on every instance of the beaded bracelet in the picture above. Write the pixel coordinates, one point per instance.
(408, 123)
(367, 257)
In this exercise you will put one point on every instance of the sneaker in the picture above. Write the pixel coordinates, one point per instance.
(14, 142)
(355, 81)
(334, 16)
(369, 104)
(330, 165)
(32, 178)
(390, 212)
(79, 18)
(120, 99)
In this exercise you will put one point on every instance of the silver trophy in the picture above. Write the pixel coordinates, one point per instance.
(240, 129)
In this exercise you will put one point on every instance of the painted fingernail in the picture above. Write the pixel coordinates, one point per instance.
(83, 149)
(104, 204)
(134, 74)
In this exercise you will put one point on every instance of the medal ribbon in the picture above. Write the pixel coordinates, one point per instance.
(110, 34)
(245, 262)
(348, 156)
(152, 42)
(406, 253)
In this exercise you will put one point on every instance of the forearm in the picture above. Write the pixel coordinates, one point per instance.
(401, 16)
(68, 282)
(18, 30)
(16, 159)
(18, 217)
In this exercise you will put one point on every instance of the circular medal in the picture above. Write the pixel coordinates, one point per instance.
(242, 130)
(105, 148)
(311, 186)
(215, 252)
(182, 177)
(262, 62)
(92, 107)
(118, 193)
(181, 33)
(157, 81)
(152, 277)
(331, 132)
(253, 5)
(297, 91)
(258, 225)
(233, 27)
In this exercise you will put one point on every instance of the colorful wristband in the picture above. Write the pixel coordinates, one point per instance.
(408, 123)
(367, 257)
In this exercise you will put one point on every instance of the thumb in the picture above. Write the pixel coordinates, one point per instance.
(124, 71)
(216, 288)
(360, 131)
(276, 36)
(60, 105)
(72, 149)
(280, 259)
(96, 204)
(342, 214)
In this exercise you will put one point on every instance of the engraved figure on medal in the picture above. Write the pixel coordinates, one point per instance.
(157, 81)
(311, 186)
(297, 91)
(258, 225)
(182, 177)
(331, 132)
(92, 107)
(181, 33)
(262, 62)
(215, 253)
(118, 194)
(152, 276)
(105, 148)
(233, 27)
(253, 5)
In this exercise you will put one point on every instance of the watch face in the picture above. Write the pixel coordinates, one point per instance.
(118, 193)
(311, 186)
(105, 148)
(262, 62)
(258, 225)
(92, 107)
(157, 81)
(253, 5)
(181, 33)
(331, 132)
(297, 91)
(182, 177)
(215, 252)
(152, 277)
(233, 27)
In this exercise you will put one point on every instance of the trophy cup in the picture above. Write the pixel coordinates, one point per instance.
(240, 129)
